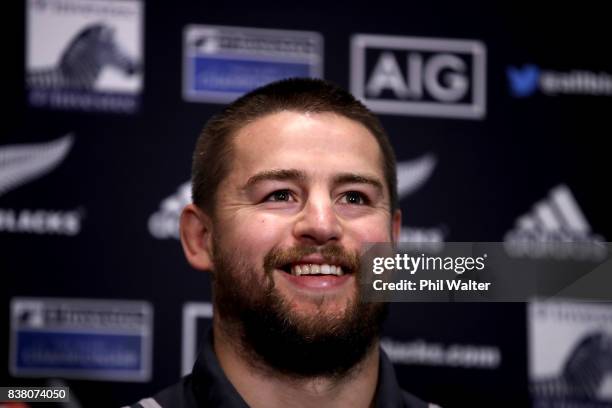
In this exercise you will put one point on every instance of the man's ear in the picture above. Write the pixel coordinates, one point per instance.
(196, 237)
(396, 225)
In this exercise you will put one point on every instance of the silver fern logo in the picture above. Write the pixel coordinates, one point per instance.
(20, 164)
(411, 175)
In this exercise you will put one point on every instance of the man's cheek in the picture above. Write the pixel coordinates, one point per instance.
(377, 231)
(266, 229)
(258, 236)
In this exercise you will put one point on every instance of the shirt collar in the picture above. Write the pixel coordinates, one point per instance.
(210, 385)
(212, 388)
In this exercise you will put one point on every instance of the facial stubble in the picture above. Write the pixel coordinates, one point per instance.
(271, 334)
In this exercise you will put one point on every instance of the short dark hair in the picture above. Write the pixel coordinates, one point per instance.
(213, 152)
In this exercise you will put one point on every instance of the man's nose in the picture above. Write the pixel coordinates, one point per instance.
(318, 223)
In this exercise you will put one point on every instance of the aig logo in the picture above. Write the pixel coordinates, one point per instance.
(419, 76)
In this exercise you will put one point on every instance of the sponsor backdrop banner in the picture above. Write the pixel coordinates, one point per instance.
(499, 118)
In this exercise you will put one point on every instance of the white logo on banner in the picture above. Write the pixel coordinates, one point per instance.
(420, 352)
(20, 164)
(222, 63)
(84, 55)
(164, 223)
(558, 218)
(570, 353)
(419, 76)
(412, 175)
(91, 339)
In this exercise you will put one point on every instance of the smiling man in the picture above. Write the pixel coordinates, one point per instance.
(289, 183)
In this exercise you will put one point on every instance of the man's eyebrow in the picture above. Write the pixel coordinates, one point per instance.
(346, 178)
(298, 175)
(278, 175)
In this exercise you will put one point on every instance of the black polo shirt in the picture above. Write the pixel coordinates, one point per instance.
(207, 386)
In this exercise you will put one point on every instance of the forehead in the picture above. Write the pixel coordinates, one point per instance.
(320, 143)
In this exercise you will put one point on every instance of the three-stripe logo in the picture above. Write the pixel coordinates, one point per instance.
(556, 228)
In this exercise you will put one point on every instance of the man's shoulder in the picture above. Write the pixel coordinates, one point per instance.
(390, 393)
(178, 395)
(412, 401)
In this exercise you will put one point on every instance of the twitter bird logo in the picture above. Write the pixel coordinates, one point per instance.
(523, 81)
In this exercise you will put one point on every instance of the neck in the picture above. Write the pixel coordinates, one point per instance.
(262, 386)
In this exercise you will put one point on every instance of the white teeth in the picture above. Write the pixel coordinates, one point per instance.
(316, 269)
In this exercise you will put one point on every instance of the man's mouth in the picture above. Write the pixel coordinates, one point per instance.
(314, 269)
(317, 274)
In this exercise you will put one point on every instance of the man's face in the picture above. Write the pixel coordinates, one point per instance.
(304, 193)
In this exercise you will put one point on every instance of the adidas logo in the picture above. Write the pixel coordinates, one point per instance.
(556, 227)
(411, 175)
(20, 164)
(164, 223)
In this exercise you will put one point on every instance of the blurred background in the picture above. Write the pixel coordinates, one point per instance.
(499, 116)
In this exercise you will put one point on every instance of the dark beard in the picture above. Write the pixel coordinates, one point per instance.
(270, 333)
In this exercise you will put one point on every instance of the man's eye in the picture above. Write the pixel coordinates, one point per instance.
(280, 195)
(355, 197)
